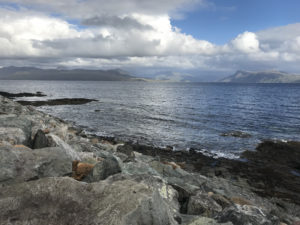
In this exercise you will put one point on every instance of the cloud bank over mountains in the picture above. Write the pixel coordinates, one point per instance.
(132, 34)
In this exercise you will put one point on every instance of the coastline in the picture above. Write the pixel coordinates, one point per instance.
(141, 185)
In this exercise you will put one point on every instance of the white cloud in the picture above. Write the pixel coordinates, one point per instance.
(20, 30)
(24, 35)
(90, 8)
(132, 34)
(246, 42)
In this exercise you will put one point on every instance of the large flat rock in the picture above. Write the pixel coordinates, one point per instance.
(63, 201)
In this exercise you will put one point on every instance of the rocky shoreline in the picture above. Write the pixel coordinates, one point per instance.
(54, 173)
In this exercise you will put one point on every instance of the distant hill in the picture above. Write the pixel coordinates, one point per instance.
(261, 77)
(32, 73)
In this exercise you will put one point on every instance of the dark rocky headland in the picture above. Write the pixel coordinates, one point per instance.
(60, 101)
(49, 102)
(53, 173)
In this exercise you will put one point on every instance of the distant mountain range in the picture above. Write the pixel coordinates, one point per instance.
(32, 73)
(261, 77)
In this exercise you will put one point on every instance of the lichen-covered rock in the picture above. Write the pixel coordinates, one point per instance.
(204, 205)
(13, 136)
(103, 169)
(138, 168)
(247, 215)
(178, 177)
(19, 164)
(68, 150)
(15, 129)
(206, 221)
(61, 201)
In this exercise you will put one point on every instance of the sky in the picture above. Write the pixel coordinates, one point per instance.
(200, 40)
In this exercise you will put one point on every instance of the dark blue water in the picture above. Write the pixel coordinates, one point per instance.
(179, 114)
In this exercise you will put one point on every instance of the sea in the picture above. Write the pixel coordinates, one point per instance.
(182, 115)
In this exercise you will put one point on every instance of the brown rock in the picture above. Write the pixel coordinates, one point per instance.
(210, 194)
(221, 200)
(94, 141)
(240, 201)
(174, 165)
(181, 164)
(20, 146)
(81, 170)
(46, 131)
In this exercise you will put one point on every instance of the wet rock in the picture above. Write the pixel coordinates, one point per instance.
(24, 94)
(124, 158)
(127, 150)
(192, 151)
(169, 148)
(126, 153)
(253, 178)
(40, 140)
(269, 170)
(63, 201)
(221, 200)
(183, 198)
(19, 164)
(277, 152)
(238, 134)
(103, 169)
(63, 101)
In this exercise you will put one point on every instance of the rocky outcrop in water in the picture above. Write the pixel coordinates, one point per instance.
(238, 134)
(61, 101)
(24, 94)
(122, 184)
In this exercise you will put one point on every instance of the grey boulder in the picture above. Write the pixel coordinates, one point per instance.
(247, 215)
(203, 204)
(103, 169)
(40, 140)
(63, 201)
(19, 164)
(205, 221)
